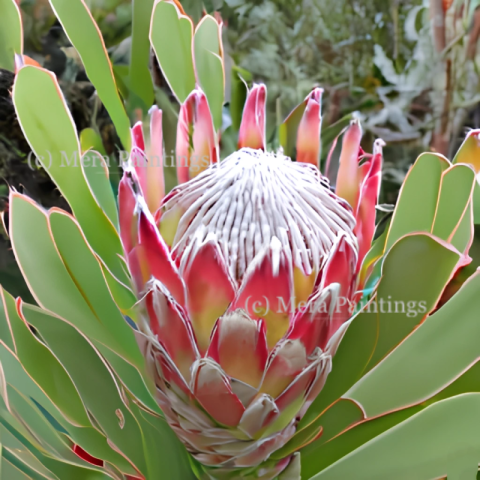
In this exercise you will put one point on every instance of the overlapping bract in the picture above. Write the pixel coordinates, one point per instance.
(243, 302)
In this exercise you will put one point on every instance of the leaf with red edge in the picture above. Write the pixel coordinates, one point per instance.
(415, 272)
(38, 101)
(82, 30)
(78, 450)
(208, 60)
(418, 198)
(171, 34)
(11, 34)
(341, 415)
(456, 193)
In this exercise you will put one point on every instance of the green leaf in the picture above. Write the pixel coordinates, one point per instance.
(131, 378)
(208, 49)
(37, 465)
(464, 232)
(43, 367)
(469, 154)
(140, 79)
(95, 170)
(440, 441)
(319, 455)
(238, 94)
(11, 34)
(431, 261)
(416, 269)
(170, 462)
(88, 437)
(87, 275)
(19, 454)
(123, 295)
(50, 131)
(40, 436)
(455, 196)
(288, 130)
(330, 133)
(91, 140)
(74, 290)
(87, 39)
(131, 429)
(5, 333)
(171, 35)
(94, 381)
(333, 421)
(443, 347)
(417, 203)
(11, 471)
(476, 203)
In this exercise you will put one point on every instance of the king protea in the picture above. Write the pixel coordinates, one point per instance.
(246, 273)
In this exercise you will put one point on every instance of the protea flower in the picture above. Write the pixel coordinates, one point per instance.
(245, 275)
(221, 313)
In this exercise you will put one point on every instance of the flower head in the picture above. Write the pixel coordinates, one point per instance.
(246, 274)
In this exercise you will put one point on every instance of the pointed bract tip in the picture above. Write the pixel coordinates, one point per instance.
(316, 94)
(378, 146)
(252, 129)
(138, 139)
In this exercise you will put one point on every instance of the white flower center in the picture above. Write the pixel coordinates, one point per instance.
(253, 196)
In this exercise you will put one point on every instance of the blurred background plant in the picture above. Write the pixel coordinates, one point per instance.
(407, 68)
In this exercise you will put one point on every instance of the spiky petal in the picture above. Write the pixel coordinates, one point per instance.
(155, 183)
(252, 128)
(347, 180)
(211, 290)
(308, 136)
(197, 147)
(147, 161)
(369, 193)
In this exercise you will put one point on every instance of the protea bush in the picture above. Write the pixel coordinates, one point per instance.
(246, 324)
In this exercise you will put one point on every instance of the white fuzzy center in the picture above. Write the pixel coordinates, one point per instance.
(253, 196)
